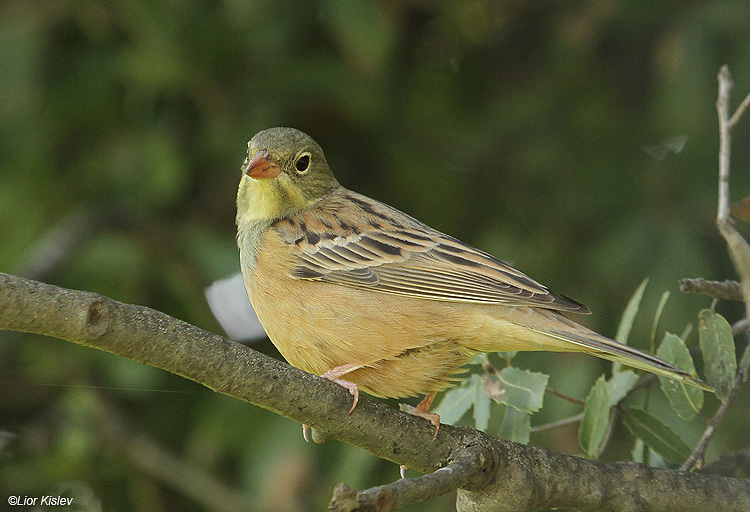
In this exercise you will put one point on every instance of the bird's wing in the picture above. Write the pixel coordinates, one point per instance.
(352, 240)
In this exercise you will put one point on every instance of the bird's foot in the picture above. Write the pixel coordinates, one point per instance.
(305, 430)
(335, 374)
(423, 411)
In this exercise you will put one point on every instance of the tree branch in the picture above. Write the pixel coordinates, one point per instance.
(505, 475)
(459, 473)
(727, 290)
(739, 250)
(736, 465)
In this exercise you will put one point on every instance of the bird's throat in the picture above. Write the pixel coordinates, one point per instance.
(268, 200)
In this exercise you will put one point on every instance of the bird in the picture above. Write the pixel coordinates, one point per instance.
(362, 294)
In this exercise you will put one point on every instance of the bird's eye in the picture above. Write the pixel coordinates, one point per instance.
(302, 164)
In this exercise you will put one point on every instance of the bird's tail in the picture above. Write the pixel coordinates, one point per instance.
(601, 346)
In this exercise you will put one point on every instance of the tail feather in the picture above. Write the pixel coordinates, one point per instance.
(612, 350)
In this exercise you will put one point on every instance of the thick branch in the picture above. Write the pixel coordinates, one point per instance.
(511, 476)
(159, 340)
(531, 478)
(736, 465)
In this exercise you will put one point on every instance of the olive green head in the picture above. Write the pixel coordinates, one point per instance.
(285, 172)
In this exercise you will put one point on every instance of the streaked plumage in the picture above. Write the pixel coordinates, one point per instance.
(339, 280)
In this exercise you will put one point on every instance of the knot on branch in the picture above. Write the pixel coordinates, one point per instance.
(97, 318)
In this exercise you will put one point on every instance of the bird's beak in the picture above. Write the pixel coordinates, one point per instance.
(262, 166)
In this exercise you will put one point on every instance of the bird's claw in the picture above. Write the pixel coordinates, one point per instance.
(335, 374)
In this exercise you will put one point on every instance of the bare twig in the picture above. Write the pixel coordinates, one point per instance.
(567, 398)
(738, 248)
(713, 424)
(613, 412)
(572, 420)
(458, 473)
(739, 112)
(722, 109)
(740, 326)
(726, 290)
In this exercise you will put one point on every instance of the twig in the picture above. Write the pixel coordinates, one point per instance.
(567, 398)
(740, 326)
(738, 248)
(384, 498)
(716, 420)
(726, 290)
(739, 112)
(558, 424)
(613, 413)
(722, 109)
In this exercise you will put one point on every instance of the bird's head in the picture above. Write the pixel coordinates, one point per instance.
(284, 173)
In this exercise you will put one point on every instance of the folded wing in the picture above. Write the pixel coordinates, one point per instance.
(355, 241)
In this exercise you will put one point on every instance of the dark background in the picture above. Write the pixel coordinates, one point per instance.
(538, 131)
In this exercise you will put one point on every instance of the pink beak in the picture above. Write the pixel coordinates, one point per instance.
(262, 166)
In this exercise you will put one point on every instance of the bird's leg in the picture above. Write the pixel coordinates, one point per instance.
(334, 375)
(423, 411)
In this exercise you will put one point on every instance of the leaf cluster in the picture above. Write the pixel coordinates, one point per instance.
(623, 397)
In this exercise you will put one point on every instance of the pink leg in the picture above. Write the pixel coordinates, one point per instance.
(423, 411)
(334, 375)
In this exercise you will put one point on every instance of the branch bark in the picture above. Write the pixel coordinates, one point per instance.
(502, 475)
(738, 248)
(727, 290)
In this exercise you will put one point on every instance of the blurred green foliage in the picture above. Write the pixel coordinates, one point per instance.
(526, 128)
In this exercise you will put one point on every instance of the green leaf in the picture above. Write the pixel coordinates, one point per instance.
(685, 400)
(628, 318)
(656, 435)
(620, 384)
(657, 317)
(520, 389)
(595, 420)
(479, 359)
(457, 401)
(481, 405)
(717, 343)
(516, 425)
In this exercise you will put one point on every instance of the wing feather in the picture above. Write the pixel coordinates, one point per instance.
(352, 240)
